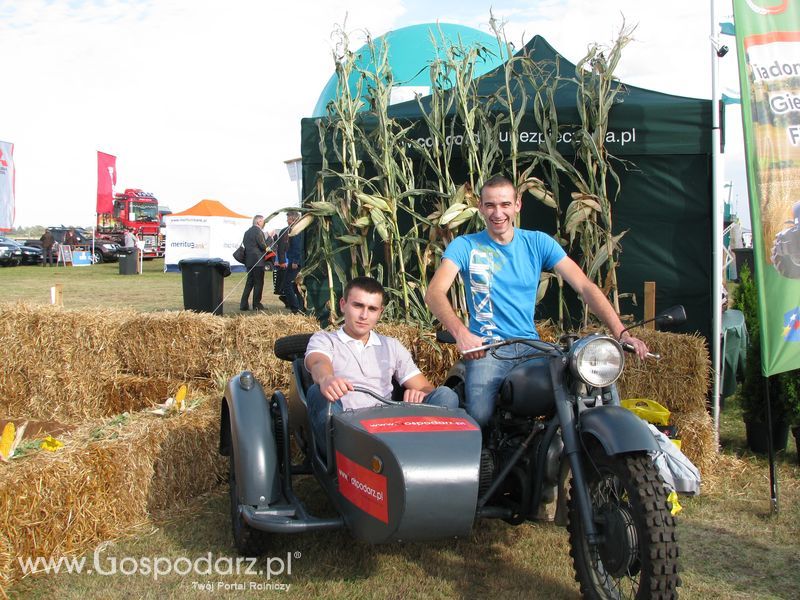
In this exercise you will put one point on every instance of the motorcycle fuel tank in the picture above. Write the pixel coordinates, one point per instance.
(407, 472)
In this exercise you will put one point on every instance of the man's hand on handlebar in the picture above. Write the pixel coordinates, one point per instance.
(468, 340)
(413, 396)
(635, 345)
(333, 387)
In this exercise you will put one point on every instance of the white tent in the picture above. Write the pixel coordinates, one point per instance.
(206, 230)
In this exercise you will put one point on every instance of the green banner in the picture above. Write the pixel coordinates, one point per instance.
(768, 41)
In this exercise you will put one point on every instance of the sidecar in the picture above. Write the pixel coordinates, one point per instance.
(392, 472)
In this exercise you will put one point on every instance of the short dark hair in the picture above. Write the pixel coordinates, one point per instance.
(367, 284)
(497, 181)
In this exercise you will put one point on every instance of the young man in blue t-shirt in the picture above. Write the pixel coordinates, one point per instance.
(500, 267)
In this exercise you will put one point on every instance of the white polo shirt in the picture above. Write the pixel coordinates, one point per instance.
(372, 365)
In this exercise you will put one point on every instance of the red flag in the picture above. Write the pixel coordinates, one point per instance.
(106, 180)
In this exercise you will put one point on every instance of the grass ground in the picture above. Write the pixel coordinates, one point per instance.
(731, 546)
(102, 285)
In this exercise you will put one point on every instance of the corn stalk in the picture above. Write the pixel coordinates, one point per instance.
(393, 183)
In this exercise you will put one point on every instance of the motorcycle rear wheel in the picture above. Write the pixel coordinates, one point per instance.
(638, 553)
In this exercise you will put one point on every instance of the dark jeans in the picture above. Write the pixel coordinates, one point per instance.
(254, 283)
(289, 291)
(49, 256)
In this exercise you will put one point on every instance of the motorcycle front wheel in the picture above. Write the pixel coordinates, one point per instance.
(637, 553)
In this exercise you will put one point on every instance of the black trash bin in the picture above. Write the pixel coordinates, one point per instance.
(203, 283)
(128, 261)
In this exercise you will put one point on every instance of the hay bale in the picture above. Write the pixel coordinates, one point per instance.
(432, 358)
(182, 345)
(50, 337)
(56, 360)
(679, 381)
(249, 343)
(696, 431)
(105, 482)
(6, 561)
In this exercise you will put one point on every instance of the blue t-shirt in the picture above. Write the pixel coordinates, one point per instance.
(501, 280)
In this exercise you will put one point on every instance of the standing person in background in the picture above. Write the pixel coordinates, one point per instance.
(70, 239)
(132, 246)
(290, 259)
(130, 240)
(255, 246)
(48, 248)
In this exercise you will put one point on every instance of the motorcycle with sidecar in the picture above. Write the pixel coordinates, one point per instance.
(786, 247)
(409, 472)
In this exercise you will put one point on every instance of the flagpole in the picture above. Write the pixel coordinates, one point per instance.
(716, 224)
(773, 480)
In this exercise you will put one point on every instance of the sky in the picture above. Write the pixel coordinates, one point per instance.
(201, 99)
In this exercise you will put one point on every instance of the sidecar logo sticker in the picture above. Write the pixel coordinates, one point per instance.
(791, 325)
(363, 488)
(419, 423)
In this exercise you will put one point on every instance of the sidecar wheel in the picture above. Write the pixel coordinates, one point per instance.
(787, 265)
(248, 540)
(638, 553)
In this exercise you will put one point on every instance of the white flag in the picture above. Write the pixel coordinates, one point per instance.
(6, 186)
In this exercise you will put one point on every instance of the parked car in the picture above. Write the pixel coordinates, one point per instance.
(30, 254)
(11, 255)
(104, 251)
(5, 256)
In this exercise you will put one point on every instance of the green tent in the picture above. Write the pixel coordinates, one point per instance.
(665, 201)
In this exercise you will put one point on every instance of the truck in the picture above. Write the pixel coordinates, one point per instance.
(138, 210)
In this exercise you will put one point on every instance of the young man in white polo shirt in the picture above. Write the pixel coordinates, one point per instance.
(356, 355)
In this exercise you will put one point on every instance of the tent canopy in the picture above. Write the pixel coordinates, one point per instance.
(665, 200)
(209, 229)
(209, 208)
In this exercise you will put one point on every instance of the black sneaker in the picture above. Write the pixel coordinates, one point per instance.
(258, 306)
(244, 308)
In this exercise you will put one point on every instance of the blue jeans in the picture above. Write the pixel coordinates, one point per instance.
(484, 377)
(318, 407)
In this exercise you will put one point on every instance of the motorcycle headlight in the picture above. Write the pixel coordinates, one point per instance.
(597, 360)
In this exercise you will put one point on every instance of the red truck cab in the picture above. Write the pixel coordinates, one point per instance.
(138, 210)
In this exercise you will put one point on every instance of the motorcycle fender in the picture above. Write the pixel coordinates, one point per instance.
(251, 434)
(617, 429)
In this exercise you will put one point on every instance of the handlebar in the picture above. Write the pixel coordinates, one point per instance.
(629, 348)
(535, 344)
(369, 392)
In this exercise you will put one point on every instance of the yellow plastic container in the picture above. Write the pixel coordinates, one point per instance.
(649, 410)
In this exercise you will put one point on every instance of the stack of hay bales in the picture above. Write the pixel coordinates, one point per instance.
(678, 381)
(98, 370)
